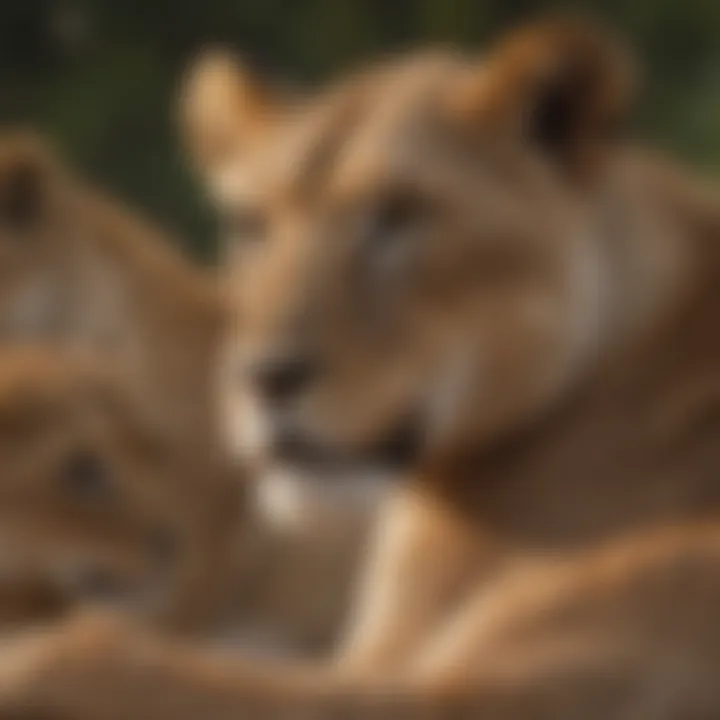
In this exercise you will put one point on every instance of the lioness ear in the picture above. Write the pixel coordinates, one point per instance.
(562, 85)
(26, 168)
(222, 107)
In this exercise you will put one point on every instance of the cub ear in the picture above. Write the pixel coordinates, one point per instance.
(26, 171)
(223, 107)
(563, 85)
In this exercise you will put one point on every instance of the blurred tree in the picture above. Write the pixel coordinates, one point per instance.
(100, 75)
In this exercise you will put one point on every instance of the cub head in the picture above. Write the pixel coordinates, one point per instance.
(55, 279)
(86, 490)
(413, 252)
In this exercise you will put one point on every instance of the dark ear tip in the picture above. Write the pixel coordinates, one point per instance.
(22, 193)
(23, 181)
(586, 50)
(568, 81)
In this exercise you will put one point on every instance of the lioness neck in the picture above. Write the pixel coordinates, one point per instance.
(634, 444)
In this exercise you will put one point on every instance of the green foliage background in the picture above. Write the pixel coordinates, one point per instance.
(100, 76)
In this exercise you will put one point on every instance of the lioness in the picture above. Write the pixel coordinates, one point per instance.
(460, 269)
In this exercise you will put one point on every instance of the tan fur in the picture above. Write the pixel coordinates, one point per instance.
(82, 271)
(86, 490)
(104, 278)
(549, 315)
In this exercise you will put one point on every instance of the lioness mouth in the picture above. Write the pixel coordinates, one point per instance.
(397, 450)
(309, 484)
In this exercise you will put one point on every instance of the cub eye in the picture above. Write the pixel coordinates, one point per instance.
(246, 224)
(394, 217)
(86, 475)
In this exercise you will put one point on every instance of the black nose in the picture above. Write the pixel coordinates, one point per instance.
(279, 379)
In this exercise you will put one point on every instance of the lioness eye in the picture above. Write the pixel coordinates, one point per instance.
(86, 475)
(397, 214)
(392, 230)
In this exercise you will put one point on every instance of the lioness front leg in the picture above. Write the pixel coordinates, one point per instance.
(421, 560)
(629, 631)
(96, 671)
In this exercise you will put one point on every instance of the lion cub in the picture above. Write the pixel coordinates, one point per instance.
(85, 487)
(80, 270)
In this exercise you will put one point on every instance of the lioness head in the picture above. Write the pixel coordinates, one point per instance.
(413, 251)
(85, 484)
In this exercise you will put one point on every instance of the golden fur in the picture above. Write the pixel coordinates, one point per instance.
(86, 490)
(82, 271)
(470, 245)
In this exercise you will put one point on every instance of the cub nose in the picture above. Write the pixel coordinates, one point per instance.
(281, 378)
